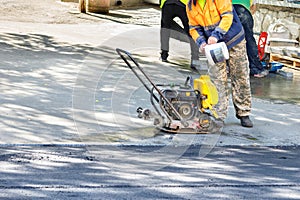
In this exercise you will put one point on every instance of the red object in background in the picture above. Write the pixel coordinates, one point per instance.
(261, 44)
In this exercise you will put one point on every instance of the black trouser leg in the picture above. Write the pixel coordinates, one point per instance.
(166, 19)
(169, 12)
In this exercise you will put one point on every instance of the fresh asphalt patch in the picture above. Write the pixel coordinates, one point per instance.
(61, 171)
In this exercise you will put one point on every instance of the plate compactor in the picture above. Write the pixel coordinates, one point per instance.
(179, 108)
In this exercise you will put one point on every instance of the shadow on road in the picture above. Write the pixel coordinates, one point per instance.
(65, 172)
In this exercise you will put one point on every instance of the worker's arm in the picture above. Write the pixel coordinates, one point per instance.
(196, 30)
(224, 8)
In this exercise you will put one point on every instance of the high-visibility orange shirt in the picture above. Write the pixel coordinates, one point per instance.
(216, 19)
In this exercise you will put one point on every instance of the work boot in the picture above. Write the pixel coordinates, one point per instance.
(245, 121)
(164, 55)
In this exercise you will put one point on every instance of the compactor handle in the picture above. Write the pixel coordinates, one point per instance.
(121, 52)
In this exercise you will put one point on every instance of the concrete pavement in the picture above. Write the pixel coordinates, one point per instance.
(52, 80)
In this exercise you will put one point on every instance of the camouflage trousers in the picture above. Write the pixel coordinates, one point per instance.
(238, 72)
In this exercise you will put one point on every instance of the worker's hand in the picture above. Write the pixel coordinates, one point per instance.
(202, 46)
(212, 40)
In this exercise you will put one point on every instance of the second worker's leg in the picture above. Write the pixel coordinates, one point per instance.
(166, 19)
(195, 63)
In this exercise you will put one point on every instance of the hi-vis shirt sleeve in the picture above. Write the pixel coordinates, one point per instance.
(224, 8)
(196, 31)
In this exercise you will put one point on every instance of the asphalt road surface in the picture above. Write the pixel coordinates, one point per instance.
(67, 172)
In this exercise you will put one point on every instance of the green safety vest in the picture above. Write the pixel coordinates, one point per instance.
(163, 2)
(246, 3)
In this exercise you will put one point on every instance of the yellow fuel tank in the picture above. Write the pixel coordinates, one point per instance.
(208, 89)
